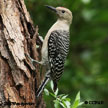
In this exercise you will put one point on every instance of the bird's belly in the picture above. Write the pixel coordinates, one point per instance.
(44, 52)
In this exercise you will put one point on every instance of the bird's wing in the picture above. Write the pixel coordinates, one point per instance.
(58, 46)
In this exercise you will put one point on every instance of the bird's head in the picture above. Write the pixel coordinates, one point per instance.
(62, 13)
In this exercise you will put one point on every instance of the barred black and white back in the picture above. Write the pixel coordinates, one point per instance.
(58, 47)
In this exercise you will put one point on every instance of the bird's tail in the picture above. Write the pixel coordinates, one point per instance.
(55, 86)
(40, 89)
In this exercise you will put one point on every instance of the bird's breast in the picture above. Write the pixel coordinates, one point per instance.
(57, 26)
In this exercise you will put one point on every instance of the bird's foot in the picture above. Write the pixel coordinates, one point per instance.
(32, 60)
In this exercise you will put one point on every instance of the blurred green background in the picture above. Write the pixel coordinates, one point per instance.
(86, 68)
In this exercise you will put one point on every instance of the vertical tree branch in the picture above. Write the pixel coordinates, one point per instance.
(18, 80)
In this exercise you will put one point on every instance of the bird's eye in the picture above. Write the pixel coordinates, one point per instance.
(63, 11)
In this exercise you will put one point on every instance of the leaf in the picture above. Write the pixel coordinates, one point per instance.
(56, 92)
(53, 95)
(75, 105)
(68, 99)
(46, 91)
(64, 97)
(78, 96)
(56, 104)
(77, 101)
(67, 104)
(81, 103)
(63, 104)
(52, 85)
(61, 95)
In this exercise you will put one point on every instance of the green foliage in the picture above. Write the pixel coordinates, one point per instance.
(63, 99)
(77, 101)
(86, 68)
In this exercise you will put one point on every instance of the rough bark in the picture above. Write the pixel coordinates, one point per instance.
(18, 79)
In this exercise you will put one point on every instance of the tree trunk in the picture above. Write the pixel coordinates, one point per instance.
(18, 79)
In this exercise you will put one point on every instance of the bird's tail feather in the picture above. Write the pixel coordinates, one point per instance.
(55, 86)
(40, 89)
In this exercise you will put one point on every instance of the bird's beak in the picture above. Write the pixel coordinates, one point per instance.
(52, 8)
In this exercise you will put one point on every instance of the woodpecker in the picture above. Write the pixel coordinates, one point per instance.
(55, 47)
